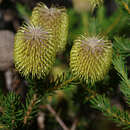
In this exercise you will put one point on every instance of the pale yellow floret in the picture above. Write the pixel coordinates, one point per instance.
(90, 57)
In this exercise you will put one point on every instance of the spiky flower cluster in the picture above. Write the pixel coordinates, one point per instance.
(86, 5)
(37, 42)
(55, 19)
(34, 51)
(90, 57)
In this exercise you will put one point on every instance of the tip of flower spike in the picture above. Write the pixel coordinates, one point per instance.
(90, 57)
(55, 19)
(86, 5)
(34, 32)
(34, 51)
(44, 12)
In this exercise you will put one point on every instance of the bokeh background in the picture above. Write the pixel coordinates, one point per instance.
(12, 14)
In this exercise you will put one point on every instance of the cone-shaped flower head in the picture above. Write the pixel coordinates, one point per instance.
(55, 19)
(86, 5)
(90, 57)
(34, 51)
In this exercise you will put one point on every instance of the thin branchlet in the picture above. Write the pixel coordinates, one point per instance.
(29, 109)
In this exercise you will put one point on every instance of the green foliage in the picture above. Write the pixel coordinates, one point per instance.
(109, 26)
(124, 5)
(23, 10)
(11, 114)
(125, 83)
(122, 46)
(125, 89)
(65, 82)
(122, 118)
(71, 98)
(31, 106)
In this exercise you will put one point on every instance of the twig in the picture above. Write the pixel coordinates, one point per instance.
(64, 83)
(74, 124)
(2, 126)
(118, 117)
(113, 24)
(85, 20)
(1, 110)
(8, 79)
(32, 103)
(58, 119)
(41, 120)
(126, 6)
(93, 94)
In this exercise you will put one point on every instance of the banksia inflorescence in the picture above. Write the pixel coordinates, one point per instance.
(55, 19)
(34, 50)
(86, 5)
(90, 57)
(37, 43)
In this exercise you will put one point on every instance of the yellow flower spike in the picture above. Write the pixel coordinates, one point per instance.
(55, 19)
(90, 58)
(86, 5)
(34, 51)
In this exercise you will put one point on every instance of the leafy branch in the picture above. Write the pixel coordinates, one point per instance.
(122, 46)
(31, 105)
(121, 69)
(112, 112)
(126, 6)
(11, 115)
